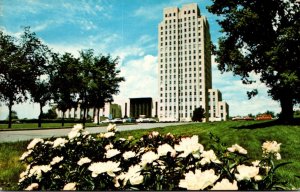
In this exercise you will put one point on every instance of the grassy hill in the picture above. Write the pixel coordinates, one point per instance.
(248, 134)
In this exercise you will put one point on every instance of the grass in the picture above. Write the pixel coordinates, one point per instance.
(10, 166)
(249, 134)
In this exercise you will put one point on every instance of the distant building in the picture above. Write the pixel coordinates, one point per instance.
(142, 106)
(218, 109)
(184, 64)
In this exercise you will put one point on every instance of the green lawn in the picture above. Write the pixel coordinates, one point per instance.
(249, 135)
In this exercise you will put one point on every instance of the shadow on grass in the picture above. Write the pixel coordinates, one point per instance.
(267, 124)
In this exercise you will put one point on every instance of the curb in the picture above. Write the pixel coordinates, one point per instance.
(28, 129)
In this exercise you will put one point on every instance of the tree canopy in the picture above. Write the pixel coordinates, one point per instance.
(29, 69)
(20, 61)
(262, 37)
(198, 114)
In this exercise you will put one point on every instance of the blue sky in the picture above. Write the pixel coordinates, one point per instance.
(124, 28)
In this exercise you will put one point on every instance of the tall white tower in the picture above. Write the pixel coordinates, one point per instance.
(184, 63)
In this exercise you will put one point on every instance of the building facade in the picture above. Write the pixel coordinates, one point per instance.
(218, 109)
(184, 63)
(132, 107)
(140, 106)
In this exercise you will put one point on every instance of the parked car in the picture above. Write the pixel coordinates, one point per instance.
(248, 118)
(129, 120)
(146, 120)
(237, 118)
(151, 120)
(106, 121)
(140, 120)
(117, 120)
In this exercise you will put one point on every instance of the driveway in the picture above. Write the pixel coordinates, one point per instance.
(13, 136)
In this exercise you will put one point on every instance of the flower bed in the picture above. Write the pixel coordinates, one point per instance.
(154, 162)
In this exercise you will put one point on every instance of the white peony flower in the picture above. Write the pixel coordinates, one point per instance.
(208, 157)
(56, 160)
(271, 147)
(256, 163)
(199, 180)
(112, 128)
(164, 149)
(111, 153)
(108, 167)
(188, 146)
(22, 176)
(70, 187)
(133, 175)
(38, 170)
(83, 161)
(116, 180)
(73, 134)
(32, 187)
(170, 135)
(237, 148)
(278, 156)
(49, 143)
(33, 143)
(225, 185)
(142, 150)
(155, 133)
(246, 172)
(25, 154)
(148, 157)
(267, 168)
(136, 180)
(128, 154)
(109, 146)
(257, 177)
(77, 127)
(130, 138)
(59, 142)
(108, 134)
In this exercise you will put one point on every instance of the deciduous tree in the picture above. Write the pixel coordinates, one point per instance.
(19, 66)
(198, 114)
(39, 61)
(262, 37)
(65, 80)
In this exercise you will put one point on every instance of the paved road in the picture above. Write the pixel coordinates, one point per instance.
(13, 136)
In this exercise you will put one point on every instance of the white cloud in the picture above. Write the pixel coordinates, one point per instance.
(234, 92)
(140, 78)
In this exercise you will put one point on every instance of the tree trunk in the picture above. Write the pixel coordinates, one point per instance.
(63, 119)
(40, 116)
(9, 114)
(286, 103)
(98, 116)
(94, 113)
(84, 117)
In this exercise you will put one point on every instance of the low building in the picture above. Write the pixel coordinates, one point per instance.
(141, 106)
(218, 109)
